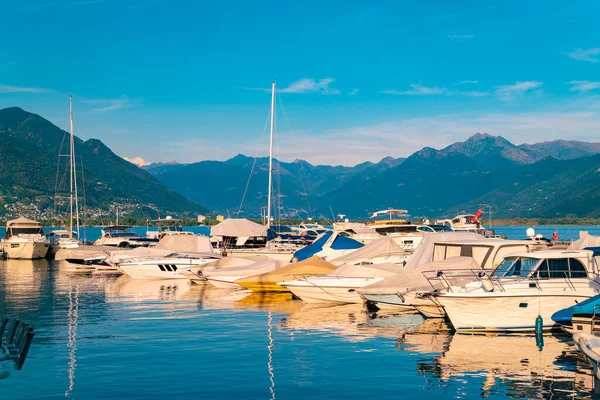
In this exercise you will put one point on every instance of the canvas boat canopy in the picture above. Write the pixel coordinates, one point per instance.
(407, 280)
(327, 240)
(268, 281)
(367, 271)
(240, 228)
(243, 270)
(587, 241)
(381, 247)
(23, 223)
(424, 251)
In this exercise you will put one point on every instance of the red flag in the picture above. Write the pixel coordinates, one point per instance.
(478, 214)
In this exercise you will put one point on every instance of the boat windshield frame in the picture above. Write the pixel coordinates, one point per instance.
(508, 267)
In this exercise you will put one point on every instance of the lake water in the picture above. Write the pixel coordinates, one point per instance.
(100, 337)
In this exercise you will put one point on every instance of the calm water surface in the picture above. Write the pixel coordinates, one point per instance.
(99, 337)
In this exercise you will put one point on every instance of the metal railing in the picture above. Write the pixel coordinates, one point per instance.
(15, 339)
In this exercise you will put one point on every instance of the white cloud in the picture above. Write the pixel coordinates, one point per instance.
(583, 86)
(461, 37)
(139, 161)
(466, 82)
(353, 92)
(22, 89)
(420, 90)
(509, 93)
(402, 137)
(589, 55)
(104, 105)
(305, 85)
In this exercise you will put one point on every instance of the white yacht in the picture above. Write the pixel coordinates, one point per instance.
(524, 286)
(439, 246)
(172, 266)
(62, 239)
(394, 223)
(120, 236)
(464, 222)
(339, 286)
(156, 229)
(24, 239)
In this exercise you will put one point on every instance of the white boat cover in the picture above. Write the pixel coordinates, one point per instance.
(259, 267)
(407, 280)
(185, 244)
(587, 241)
(383, 246)
(367, 271)
(238, 227)
(424, 251)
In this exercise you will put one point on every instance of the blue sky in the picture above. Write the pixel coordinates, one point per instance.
(174, 80)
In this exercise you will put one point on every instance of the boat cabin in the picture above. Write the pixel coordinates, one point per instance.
(23, 227)
(487, 252)
(118, 231)
(163, 227)
(549, 264)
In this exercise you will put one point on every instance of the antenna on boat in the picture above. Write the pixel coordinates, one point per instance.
(271, 155)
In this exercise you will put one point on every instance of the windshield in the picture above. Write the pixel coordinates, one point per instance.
(516, 266)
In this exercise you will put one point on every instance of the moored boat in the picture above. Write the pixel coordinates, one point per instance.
(524, 286)
(24, 239)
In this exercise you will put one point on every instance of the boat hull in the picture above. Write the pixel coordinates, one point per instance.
(331, 295)
(224, 282)
(389, 302)
(284, 257)
(25, 250)
(154, 272)
(506, 313)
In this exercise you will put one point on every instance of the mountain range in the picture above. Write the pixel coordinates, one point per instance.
(31, 174)
(550, 179)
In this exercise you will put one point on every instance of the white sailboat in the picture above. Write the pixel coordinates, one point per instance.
(278, 250)
(62, 238)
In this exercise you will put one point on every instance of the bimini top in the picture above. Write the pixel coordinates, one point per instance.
(116, 228)
(339, 243)
(23, 223)
(238, 227)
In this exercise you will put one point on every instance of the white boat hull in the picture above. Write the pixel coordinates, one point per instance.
(510, 313)
(225, 282)
(25, 250)
(329, 290)
(389, 302)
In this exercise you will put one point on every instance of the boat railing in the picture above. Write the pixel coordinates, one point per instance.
(15, 339)
(448, 280)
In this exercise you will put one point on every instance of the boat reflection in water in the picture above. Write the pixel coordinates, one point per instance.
(516, 365)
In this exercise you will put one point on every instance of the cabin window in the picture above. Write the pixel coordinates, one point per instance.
(558, 267)
(466, 251)
(513, 267)
(576, 269)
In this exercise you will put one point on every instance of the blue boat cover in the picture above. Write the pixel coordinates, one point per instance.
(586, 307)
(340, 243)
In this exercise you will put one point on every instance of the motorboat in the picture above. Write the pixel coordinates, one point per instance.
(340, 285)
(24, 239)
(269, 281)
(439, 246)
(582, 317)
(383, 250)
(240, 237)
(225, 277)
(394, 223)
(524, 286)
(156, 229)
(174, 257)
(62, 239)
(464, 223)
(173, 266)
(120, 236)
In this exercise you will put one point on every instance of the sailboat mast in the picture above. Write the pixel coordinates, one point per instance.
(71, 146)
(74, 170)
(271, 156)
